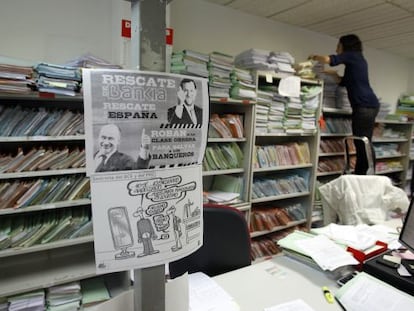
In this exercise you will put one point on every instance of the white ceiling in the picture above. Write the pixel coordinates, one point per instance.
(386, 25)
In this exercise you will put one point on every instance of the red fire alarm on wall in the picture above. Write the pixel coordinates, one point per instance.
(126, 32)
(126, 28)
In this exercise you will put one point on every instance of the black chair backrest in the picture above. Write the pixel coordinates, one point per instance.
(226, 244)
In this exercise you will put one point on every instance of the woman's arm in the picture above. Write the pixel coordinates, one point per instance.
(324, 59)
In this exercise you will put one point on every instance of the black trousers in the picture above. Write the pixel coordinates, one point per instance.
(363, 122)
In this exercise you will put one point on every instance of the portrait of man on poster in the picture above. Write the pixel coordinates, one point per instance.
(108, 158)
(186, 111)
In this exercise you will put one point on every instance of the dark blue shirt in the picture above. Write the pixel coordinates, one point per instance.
(355, 79)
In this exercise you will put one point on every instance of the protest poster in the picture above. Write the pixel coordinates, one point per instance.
(143, 119)
(146, 134)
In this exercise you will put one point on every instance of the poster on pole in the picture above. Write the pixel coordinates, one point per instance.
(146, 134)
(140, 120)
(146, 218)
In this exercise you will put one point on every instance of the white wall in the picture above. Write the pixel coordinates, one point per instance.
(58, 30)
(411, 79)
(205, 27)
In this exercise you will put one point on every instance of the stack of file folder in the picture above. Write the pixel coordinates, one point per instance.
(293, 120)
(16, 79)
(45, 227)
(222, 156)
(310, 96)
(280, 184)
(270, 110)
(305, 69)
(277, 114)
(329, 86)
(34, 192)
(333, 164)
(32, 301)
(41, 159)
(94, 291)
(337, 126)
(267, 245)
(220, 66)
(226, 126)
(256, 59)
(190, 62)
(385, 110)
(265, 156)
(405, 105)
(243, 85)
(22, 121)
(89, 60)
(221, 197)
(341, 98)
(58, 79)
(64, 297)
(266, 218)
(228, 183)
(287, 114)
(264, 100)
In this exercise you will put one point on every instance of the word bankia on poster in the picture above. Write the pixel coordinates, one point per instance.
(146, 134)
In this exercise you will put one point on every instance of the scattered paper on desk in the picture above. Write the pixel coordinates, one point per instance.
(326, 253)
(206, 295)
(295, 305)
(366, 293)
(360, 237)
(176, 294)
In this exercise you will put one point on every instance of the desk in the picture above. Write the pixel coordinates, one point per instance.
(254, 288)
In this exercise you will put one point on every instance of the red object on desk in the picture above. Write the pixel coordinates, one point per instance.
(361, 256)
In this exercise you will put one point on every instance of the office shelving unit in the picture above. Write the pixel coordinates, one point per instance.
(42, 265)
(331, 152)
(394, 164)
(280, 203)
(245, 110)
(392, 143)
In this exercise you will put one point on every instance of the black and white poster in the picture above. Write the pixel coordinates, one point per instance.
(146, 134)
(141, 120)
(146, 218)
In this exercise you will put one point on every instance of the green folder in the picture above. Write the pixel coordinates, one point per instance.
(94, 291)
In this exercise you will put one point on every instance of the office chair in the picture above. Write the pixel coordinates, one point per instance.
(370, 155)
(361, 199)
(226, 244)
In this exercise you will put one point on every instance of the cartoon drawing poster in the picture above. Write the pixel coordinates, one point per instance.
(146, 134)
(146, 218)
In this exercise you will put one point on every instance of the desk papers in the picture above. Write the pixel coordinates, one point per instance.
(360, 237)
(207, 295)
(366, 293)
(327, 254)
(295, 305)
(197, 292)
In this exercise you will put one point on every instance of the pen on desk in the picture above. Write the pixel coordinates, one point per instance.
(328, 295)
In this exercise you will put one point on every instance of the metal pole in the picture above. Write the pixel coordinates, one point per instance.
(148, 53)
